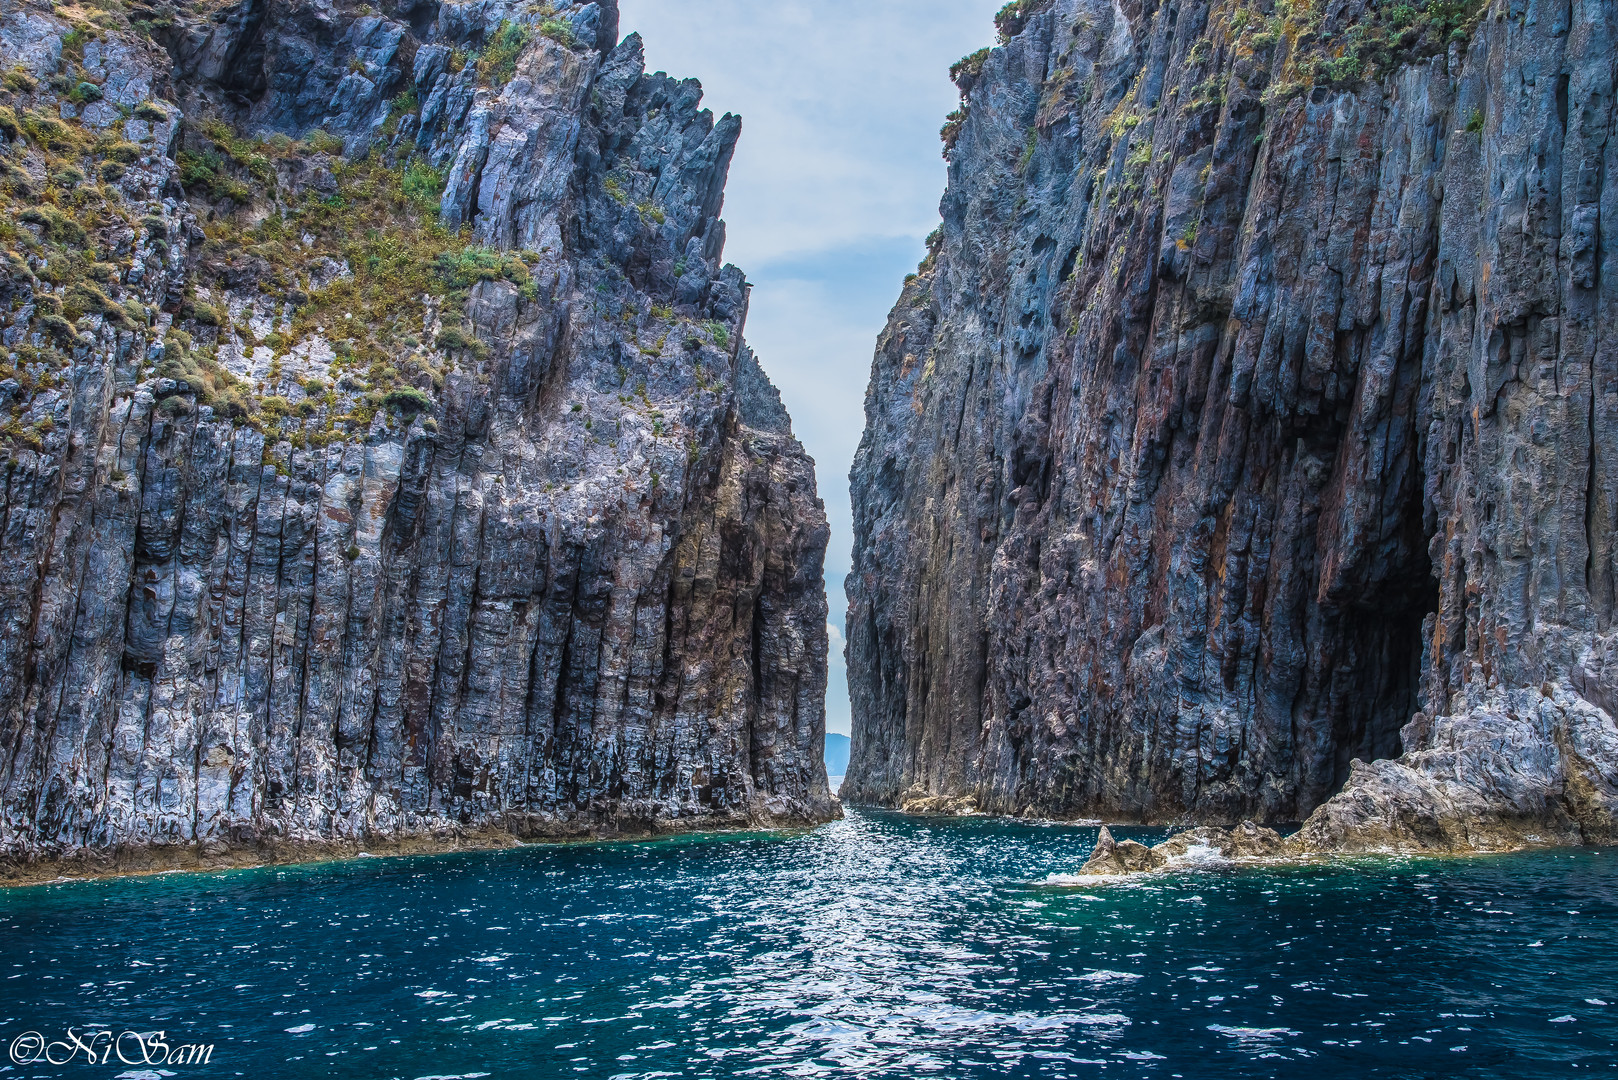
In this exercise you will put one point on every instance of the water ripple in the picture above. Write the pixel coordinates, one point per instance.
(878, 946)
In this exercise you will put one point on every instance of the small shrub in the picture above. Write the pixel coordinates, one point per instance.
(498, 62)
(74, 40)
(407, 400)
(1346, 68)
(54, 225)
(423, 185)
(452, 338)
(59, 328)
(50, 132)
(208, 315)
(1008, 21)
(323, 142)
(122, 150)
(406, 102)
(969, 65)
(466, 267)
(1474, 121)
(950, 133)
(152, 112)
(558, 31)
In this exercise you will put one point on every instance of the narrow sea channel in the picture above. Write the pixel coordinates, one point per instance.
(878, 946)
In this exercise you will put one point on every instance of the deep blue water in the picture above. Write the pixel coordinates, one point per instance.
(879, 946)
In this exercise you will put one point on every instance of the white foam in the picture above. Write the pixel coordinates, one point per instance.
(1253, 1034)
(1105, 976)
(1081, 880)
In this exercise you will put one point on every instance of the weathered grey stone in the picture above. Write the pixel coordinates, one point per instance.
(1232, 423)
(580, 594)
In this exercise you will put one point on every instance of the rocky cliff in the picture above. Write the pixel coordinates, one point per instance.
(1247, 444)
(382, 457)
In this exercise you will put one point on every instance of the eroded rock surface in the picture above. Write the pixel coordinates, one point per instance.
(1121, 856)
(1254, 418)
(383, 459)
(1246, 840)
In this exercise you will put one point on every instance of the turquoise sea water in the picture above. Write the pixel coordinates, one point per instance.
(879, 946)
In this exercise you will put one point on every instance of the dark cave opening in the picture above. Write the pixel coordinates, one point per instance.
(1382, 643)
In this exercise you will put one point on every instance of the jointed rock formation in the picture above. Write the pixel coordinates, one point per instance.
(1247, 445)
(382, 457)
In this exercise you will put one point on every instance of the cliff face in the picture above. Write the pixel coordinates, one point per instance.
(382, 456)
(1250, 435)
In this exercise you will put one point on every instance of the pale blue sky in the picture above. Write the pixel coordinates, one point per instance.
(834, 187)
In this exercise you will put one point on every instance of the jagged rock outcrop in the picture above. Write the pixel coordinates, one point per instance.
(1120, 857)
(1245, 841)
(1249, 436)
(383, 461)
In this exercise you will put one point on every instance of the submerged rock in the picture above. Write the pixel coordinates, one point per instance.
(1254, 399)
(383, 460)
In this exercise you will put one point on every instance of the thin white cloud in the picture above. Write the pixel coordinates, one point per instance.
(833, 189)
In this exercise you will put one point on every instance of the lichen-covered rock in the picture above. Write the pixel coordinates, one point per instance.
(1116, 857)
(1244, 841)
(383, 460)
(1259, 393)
(920, 803)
